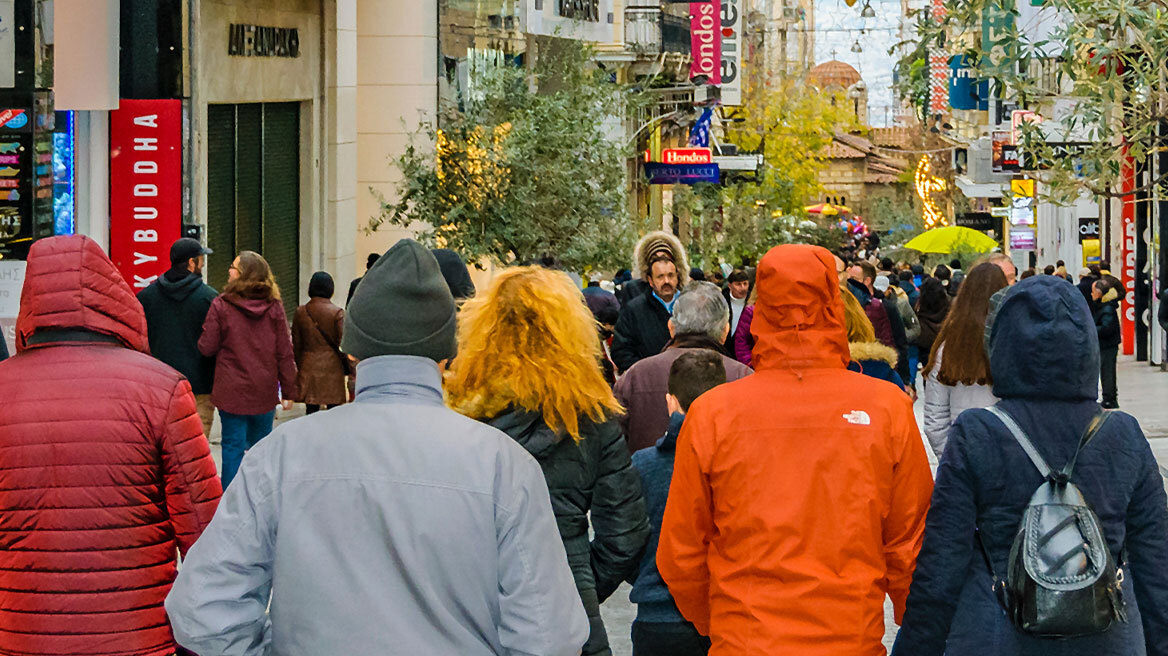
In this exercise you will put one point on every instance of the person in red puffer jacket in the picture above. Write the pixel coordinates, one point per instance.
(104, 470)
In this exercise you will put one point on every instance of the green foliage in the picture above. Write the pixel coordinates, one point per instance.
(1098, 78)
(526, 170)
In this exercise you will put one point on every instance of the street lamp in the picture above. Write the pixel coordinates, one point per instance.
(856, 48)
(868, 11)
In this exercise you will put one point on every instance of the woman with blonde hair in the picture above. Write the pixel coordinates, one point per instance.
(528, 364)
(869, 356)
(246, 331)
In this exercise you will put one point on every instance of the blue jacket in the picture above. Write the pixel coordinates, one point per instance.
(655, 465)
(1044, 357)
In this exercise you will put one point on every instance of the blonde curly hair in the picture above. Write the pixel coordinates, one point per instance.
(530, 343)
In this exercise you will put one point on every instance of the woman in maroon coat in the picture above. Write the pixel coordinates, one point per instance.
(247, 333)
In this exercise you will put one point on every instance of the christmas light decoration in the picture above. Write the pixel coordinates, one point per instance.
(927, 185)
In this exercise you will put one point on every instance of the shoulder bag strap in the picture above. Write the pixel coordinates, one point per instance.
(327, 340)
(1092, 431)
(1022, 440)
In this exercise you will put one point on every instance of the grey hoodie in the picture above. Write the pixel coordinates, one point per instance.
(388, 526)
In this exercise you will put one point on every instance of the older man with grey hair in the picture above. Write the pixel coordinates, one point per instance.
(700, 321)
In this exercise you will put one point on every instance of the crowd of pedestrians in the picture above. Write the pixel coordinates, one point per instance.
(480, 470)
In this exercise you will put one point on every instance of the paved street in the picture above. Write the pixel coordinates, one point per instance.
(1143, 392)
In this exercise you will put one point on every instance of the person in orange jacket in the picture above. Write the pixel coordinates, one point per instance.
(786, 527)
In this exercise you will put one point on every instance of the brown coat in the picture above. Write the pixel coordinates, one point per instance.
(322, 378)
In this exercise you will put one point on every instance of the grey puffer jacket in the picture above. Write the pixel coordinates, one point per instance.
(593, 476)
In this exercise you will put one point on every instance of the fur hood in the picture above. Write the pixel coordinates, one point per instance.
(654, 242)
(873, 351)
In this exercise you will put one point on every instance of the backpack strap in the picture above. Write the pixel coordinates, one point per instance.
(1023, 441)
(1092, 431)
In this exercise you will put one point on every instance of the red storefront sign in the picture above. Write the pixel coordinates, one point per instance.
(687, 156)
(705, 29)
(145, 187)
(1128, 267)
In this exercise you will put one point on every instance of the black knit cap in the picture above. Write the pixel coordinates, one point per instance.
(402, 307)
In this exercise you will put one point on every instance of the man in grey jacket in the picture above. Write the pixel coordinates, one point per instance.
(388, 526)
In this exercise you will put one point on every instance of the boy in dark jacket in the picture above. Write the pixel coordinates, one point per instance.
(1106, 313)
(660, 628)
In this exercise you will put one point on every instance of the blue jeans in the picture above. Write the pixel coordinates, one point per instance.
(914, 361)
(240, 433)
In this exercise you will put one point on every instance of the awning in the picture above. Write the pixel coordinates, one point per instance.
(973, 189)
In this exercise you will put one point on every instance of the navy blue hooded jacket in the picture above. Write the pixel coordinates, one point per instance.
(1044, 357)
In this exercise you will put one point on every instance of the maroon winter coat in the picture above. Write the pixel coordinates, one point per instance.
(252, 347)
(104, 470)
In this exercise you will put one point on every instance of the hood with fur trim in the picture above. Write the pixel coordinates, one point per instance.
(653, 243)
(873, 351)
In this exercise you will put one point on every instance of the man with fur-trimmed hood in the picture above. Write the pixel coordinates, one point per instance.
(643, 328)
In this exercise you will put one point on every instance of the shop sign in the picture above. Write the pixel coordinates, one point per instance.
(145, 187)
(963, 85)
(983, 221)
(1005, 154)
(1000, 212)
(11, 284)
(705, 29)
(1128, 252)
(1088, 229)
(1023, 239)
(687, 174)
(260, 41)
(732, 45)
(687, 156)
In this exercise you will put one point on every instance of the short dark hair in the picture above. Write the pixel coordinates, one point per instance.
(371, 260)
(955, 263)
(696, 372)
(1060, 263)
(1049, 270)
(867, 268)
(886, 264)
(1095, 270)
(738, 275)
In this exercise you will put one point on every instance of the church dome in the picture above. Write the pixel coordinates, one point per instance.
(834, 73)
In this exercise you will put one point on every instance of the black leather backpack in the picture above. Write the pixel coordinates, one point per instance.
(1062, 581)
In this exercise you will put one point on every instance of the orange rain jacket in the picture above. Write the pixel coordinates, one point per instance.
(799, 494)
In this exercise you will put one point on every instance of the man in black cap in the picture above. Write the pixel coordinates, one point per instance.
(420, 494)
(176, 306)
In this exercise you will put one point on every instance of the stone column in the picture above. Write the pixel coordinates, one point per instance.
(397, 88)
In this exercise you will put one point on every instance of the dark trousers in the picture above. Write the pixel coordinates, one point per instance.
(312, 408)
(1107, 356)
(668, 639)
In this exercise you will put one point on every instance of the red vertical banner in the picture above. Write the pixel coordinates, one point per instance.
(145, 187)
(705, 29)
(1128, 266)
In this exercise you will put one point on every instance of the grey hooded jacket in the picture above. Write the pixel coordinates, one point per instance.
(388, 526)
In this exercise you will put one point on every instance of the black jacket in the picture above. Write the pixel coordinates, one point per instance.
(3, 349)
(641, 332)
(1044, 357)
(176, 308)
(594, 476)
(1107, 323)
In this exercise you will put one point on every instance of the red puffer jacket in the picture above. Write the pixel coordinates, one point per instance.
(104, 470)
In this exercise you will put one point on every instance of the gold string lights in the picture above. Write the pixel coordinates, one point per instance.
(927, 185)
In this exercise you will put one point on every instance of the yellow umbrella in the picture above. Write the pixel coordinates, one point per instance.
(945, 240)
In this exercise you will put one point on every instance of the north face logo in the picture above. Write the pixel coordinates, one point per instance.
(858, 418)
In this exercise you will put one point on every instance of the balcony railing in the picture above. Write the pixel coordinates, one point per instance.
(650, 30)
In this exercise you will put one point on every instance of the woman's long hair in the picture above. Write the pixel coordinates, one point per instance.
(255, 279)
(530, 343)
(860, 329)
(963, 333)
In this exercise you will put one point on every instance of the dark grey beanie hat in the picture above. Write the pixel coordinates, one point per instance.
(401, 307)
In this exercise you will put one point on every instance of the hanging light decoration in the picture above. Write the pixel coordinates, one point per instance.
(928, 184)
(856, 47)
(868, 11)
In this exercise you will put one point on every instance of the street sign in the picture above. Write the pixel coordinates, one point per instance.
(1023, 239)
(682, 173)
(1088, 229)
